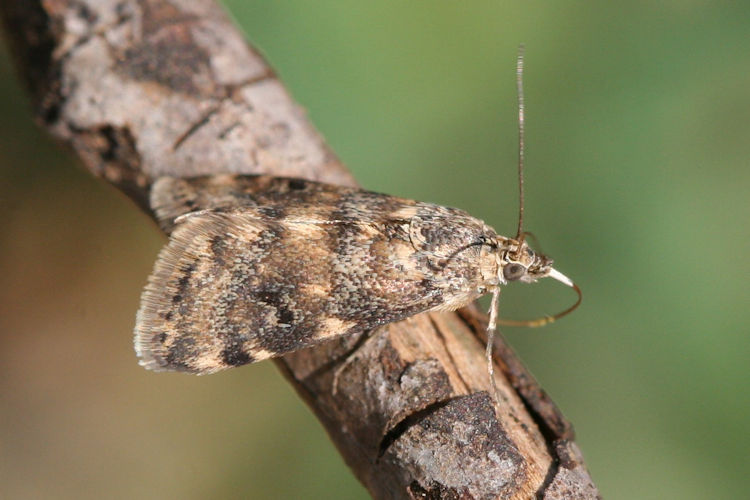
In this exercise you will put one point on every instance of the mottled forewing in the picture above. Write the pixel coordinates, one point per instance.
(232, 288)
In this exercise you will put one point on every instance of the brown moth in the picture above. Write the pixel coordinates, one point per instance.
(258, 267)
(267, 265)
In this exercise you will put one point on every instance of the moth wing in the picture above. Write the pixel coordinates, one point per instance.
(233, 288)
(172, 197)
(167, 335)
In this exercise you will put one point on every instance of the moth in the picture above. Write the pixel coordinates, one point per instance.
(258, 267)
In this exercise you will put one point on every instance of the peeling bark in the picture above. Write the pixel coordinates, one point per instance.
(141, 89)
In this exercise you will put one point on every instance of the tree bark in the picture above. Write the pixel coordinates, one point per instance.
(145, 88)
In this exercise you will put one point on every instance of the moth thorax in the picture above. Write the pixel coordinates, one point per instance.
(489, 265)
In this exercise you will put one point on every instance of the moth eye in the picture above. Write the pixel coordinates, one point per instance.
(529, 252)
(513, 271)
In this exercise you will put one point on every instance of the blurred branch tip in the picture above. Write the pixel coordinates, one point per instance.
(150, 88)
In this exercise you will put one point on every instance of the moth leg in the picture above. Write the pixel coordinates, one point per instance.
(491, 329)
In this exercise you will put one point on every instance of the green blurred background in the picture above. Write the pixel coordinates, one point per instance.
(638, 134)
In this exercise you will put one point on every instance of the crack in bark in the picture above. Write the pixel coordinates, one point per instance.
(549, 478)
(268, 74)
(450, 355)
(192, 129)
(410, 420)
(344, 357)
(228, 91)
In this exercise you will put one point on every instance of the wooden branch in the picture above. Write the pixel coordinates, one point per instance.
(145, 88)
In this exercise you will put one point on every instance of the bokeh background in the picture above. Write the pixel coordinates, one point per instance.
(638, 180)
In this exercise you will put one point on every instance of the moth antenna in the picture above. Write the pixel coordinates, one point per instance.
(519, 89)
(546, 319)
(536, 245)
(491, 328)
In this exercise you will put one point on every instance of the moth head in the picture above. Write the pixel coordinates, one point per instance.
(518, 262)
